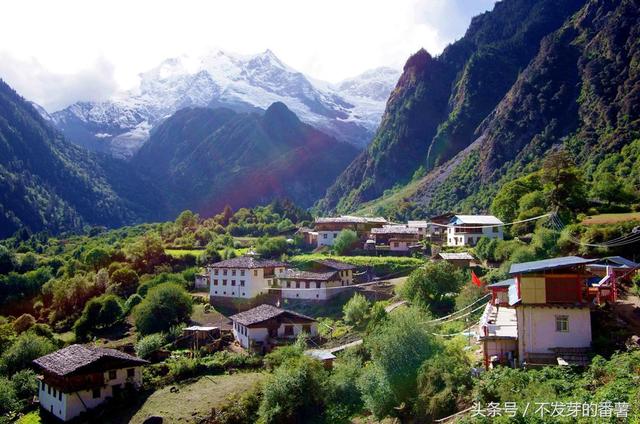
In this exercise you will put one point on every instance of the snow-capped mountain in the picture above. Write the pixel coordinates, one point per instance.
(350, 110)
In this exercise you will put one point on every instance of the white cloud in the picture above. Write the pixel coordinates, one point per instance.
(326, 39)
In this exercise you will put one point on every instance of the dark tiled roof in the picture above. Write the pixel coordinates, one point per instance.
(395, 229)
(247, 262)
(262, 313)
(339, 265)
(545, 264)
(503, 283)
(76, 357)
(346, 219)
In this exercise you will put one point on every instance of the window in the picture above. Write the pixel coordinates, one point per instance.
(224, 282)
(224, 292)
(59, 394)
(324, 236)
(215, 282)
(297, 284)
(306, 285)
(131, 372)
(496, 229)
(215, 271)
(306, 328)
(233, 282)
(242, 272)
(112, 374)
(241, 283)
(396, 244)
(233, 272)
(317, 285)
(255, 272)
(233, 293)
(96, 393)
(288, 330)
(335, 235)
(562, 323)
(288, 284)
(215, 292)
(49, 389)
(54, 392)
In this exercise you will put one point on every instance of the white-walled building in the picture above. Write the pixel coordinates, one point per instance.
(396, 238)
(79, 378)
(244, 277)
(326, 279)
(260, 327)
(467, 230)
(547, 317)
(328, 228)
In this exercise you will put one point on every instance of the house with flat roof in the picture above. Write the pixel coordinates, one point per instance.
(328, 228)
(244, 277)
(395, 238)
(78, 378)
(265, 326)
(546, 318)
(467, 230)
(459, 259)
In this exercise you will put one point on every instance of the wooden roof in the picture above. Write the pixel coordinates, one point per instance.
(263, 313)
(79, 358)
(247, 262)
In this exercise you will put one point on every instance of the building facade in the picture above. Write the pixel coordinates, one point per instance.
(265, 326)
(78, 378)
(396, 238)
(329, 228)
(326, 279)
(244, 277)
(467, 230)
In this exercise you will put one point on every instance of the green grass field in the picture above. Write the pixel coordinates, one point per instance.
(194, 399)
(611, 218)
(178, 253)
(381, 265)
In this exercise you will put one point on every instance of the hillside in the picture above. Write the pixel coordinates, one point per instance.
(439, 103)
(49, 184)
(208, 158)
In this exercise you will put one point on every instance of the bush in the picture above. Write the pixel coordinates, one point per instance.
(149, 344)
(8, 400)
(100, 312)
(239, 409)
(132, 302)
(124, 282)
(25, 384)
(165, 306)
(430, 284)
(355, 310)
(345, 242)
(23, 351)
(23, 323)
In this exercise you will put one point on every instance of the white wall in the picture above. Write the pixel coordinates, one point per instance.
(537, 329)
(458, 239)
(326, 238)
(254, 281)
(245, 335)
(70, 405)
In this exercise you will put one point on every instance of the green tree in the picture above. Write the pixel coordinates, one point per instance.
(100, 312)
(187, 219)
(356, 309)
(146, 252)
(164, 306)
(271, 247)
(505, 203)
(97, 258)
(430, 284)
(23, 351)
(294, 393)
(345, 242)
(124, 282)
(609, 188)
(8, 260)
(149, 344)
(562, 182)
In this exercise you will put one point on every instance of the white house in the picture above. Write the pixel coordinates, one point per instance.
(328, 228)
(547, 318)
(260, 328)
(466, 230)
(78, 378)
(395, 238)
(326, 279)
(243, 277)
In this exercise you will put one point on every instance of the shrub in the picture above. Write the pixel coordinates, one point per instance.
(430, 284)
(239, 409)
(132, 302)
(345, 242)
(23, 351)
(25, 384)
(149, 344)
(8, 400)
(124, 282)
(165, 306)
(355, 310)
(23, 323)
(100, 312)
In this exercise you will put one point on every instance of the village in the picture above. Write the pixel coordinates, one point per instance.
(541, 315)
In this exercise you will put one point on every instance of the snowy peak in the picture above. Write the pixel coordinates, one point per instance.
(349, 111)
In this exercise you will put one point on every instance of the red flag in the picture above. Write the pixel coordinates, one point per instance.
(475, 280)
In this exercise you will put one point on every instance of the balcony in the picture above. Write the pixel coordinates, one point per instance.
(499, 323)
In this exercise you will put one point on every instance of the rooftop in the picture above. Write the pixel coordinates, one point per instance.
(418, 224)
(248, 261)
(307, 275)
(503, 283)
(77, 357)
(320, 354)
(395, 229)
(501, 322)
(262, 313)
(338, 265)
(477, 219)
(615, 261)
(547, 264)
(456, 256)
(351, 219)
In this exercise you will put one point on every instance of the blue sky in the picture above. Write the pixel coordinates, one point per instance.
(88, 50)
